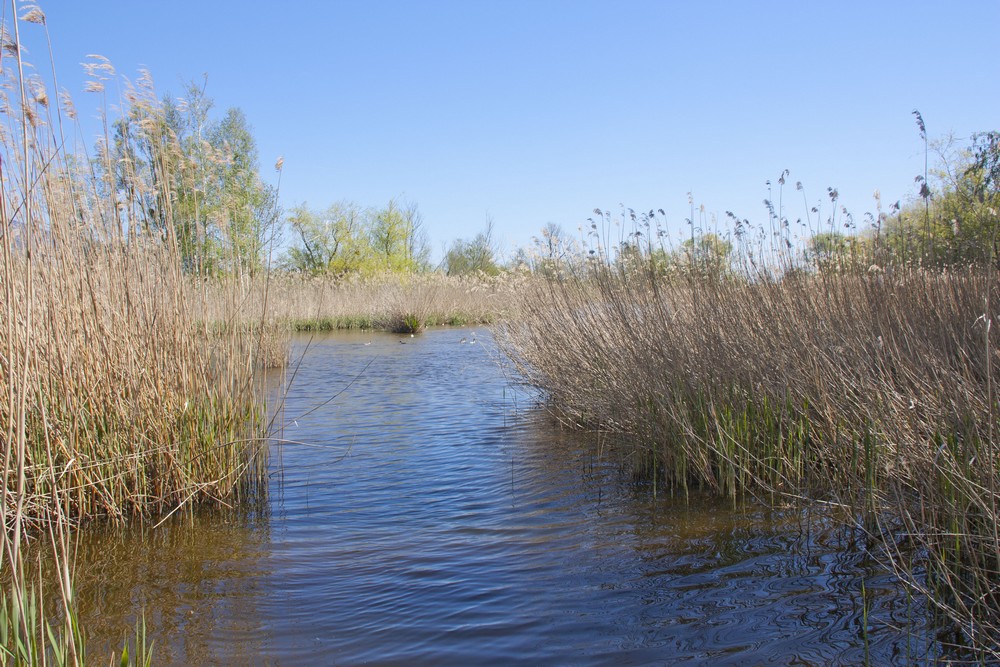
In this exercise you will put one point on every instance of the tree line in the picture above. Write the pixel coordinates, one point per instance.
(195, 180)
(954, 219)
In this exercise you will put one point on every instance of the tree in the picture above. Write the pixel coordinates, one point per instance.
(984, 167)
(190, 190)
(418, 246)
(708, 253)
(345, 238)
(247, 208)
(477, 256)
(835, 250)
(553, 250)
(194, 181)
(956, 219)
(552, 244)
(333, 241)
(142, 167)
(392, 237)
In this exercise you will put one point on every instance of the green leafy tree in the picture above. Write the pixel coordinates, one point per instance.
(389, 237)
(392, 235)
(195, 181)
(345, 238)
(191, 192)
(955, 220)
(418, 246)
(476, 256)
(332, 241)
(829, 250)
(246, 211)
(708, 253)
(140, 168)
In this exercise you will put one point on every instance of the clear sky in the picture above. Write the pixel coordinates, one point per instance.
(530, 112)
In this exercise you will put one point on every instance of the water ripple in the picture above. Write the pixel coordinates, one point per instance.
(432, 516)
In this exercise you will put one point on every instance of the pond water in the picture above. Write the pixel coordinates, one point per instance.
(422, 510)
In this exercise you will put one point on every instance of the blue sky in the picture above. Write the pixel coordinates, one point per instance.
(536, 112)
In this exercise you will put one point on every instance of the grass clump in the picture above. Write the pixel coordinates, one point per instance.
(406, 323)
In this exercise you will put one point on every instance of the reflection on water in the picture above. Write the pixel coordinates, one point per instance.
(430, 514)
(197, 581)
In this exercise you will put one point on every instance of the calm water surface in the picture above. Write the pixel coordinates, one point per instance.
(429, 513)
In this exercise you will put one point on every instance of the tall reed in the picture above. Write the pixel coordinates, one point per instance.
(118, 402)
(872, 388)
(310, 303)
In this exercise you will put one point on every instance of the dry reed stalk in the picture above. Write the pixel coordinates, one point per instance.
(128, 405)
(117, 402)
(380, 302)
(870, 389)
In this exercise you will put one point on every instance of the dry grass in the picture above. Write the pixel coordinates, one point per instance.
(307, 303)
(128, 406)
(870, 389)
(115, 401)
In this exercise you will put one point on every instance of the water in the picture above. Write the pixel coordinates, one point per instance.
(423, 511)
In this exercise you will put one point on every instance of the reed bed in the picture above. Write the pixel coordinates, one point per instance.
(129, 407)
(392, 302)
(872, 390)
(117, 402)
